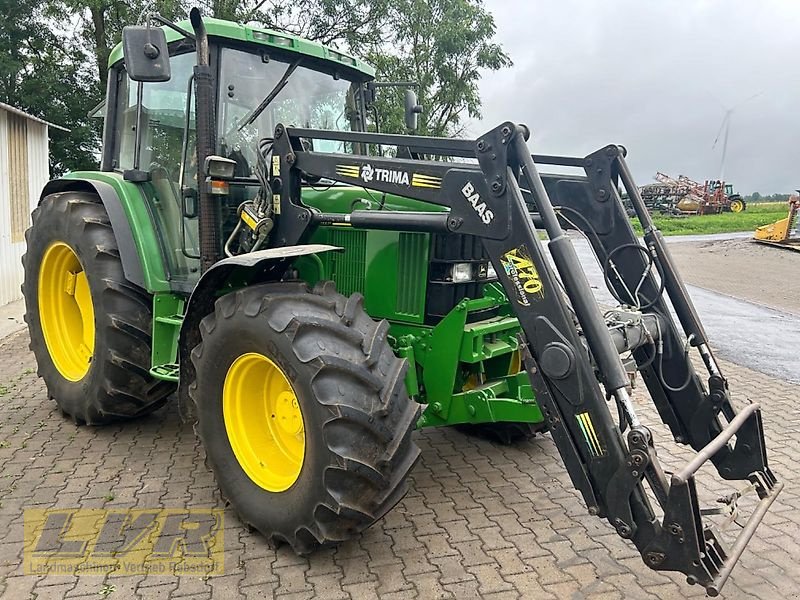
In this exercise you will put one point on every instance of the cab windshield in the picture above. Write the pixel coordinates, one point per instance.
(308, 99)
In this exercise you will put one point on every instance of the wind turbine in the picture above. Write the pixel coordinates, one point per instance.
(724, 130)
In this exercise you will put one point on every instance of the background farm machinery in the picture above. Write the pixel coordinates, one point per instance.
(688, 197)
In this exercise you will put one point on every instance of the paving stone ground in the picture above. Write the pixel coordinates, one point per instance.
(481, 520)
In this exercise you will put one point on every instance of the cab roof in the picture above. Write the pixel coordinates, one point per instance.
(265, 37)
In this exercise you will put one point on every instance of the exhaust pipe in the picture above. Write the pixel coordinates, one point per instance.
(201, 37)
(206, 143)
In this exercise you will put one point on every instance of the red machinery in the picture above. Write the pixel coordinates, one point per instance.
(686, 196)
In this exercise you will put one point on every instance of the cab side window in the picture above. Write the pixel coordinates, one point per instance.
(163, 120)
(164, 125)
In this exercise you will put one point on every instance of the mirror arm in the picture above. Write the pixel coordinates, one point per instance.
(402, 84)
(137, 175)
(371, 88)
(185, 140)
(137, 149)
(173, 26)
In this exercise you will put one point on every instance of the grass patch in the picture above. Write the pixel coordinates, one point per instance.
(756, 215)
(767, 207)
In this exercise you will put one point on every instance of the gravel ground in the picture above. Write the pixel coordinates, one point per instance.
(741, 268)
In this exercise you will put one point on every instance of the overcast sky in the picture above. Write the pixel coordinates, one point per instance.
(655, 76)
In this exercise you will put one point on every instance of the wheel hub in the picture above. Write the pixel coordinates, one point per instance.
(287, 414)
(66, 311)
(264, 422)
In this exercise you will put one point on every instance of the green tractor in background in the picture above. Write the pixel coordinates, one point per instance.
(302, 397)
(314, 299)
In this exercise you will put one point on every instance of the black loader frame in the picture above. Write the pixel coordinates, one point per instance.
(569, 347)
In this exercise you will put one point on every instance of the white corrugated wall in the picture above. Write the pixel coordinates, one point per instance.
(35, 153)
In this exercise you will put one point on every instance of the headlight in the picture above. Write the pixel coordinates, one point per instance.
(461, 272)
(486, 272)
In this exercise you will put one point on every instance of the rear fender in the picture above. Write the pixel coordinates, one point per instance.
(131, 263)
(223, 277)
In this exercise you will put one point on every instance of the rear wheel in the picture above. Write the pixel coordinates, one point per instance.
(89, 326)
(303, 412)
(737, 205)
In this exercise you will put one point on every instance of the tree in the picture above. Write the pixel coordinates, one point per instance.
(54, 54)
(443, 45)
(352, 23)
(45, 73)
(102, 22)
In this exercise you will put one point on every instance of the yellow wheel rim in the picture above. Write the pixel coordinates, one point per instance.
(66, 311)
(264, 422)
(736, 206)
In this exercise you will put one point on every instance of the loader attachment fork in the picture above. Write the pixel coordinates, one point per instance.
(568, 349)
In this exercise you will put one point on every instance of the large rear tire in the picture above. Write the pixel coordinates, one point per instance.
(89, 326)
(737, 205)
(303, 412)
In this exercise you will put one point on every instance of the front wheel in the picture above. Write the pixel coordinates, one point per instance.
(303, 412)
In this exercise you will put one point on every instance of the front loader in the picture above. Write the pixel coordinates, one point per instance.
(313, 300)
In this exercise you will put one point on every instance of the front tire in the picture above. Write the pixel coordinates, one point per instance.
(89, 326)
(303, 412)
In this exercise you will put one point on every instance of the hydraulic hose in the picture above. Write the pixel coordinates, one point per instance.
(575, 282)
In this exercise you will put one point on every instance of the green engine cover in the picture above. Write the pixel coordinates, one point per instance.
(465, 370)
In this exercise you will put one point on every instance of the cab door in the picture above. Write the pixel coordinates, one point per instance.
(166, 167)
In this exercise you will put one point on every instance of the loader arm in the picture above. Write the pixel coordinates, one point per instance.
(570, 350)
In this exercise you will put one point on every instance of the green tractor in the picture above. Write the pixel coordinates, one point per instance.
(313, 299)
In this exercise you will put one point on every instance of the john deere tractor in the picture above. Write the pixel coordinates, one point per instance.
(313, 292)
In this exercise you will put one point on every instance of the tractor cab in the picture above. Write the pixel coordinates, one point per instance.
(261, 78)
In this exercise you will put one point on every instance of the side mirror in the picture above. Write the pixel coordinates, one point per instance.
(146, 53)
(412, 109)
(370, 93)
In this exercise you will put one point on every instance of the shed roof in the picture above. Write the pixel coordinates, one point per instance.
(22, 113)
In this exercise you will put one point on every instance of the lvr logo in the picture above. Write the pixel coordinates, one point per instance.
(95, 541)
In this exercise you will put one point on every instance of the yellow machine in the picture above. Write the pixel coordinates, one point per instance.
(784, 232)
